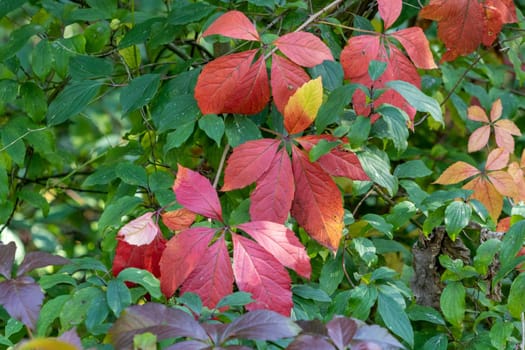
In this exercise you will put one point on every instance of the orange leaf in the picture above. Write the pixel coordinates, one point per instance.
(287, 77)
(479, 138)
(518, 176)
(477, 114)
(487, 194)
(302, 107)
(178, 219)
(233, 24)
(503, 182)
(304, 48)
(496, 110)
(504, 139)
(318, 206)
(457, 172)
(416, 45)
(389, 10)
(503, 225)
(232, 84)
(508, 126)
(497, 159)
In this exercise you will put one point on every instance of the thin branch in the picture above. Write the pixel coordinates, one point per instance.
(460, 79)
(221, 165)
(29, 131)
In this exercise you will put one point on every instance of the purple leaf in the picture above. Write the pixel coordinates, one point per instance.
(158, 319)
(375, 334)
(262, 325)
(22, 298)
(71, 337)
(368, 345)
(190, 345)
(215, 331)
(7, 256)
(34, 260)
(314, 327)
(310, 342)
(341, 330)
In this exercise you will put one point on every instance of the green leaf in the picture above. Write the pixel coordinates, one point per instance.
(512, 242)
(192, 301)
(438, 342)
(4, 184)
(132, 174)
(35, 199)
(8, 90)
(412, 169)
(359, 131)
(143, 278)
(376, 69)
(331, 73)
(452, 302)
(333, 107)
(457, 216)
(415, 193)
(116, 210)
(12, 142)
(49, 281)
(97, 36)
(331, 274)
(500, 333)
(18, 39)
(235, 299)
(49, 312)
(365, 249)
(425, 313)
(42, 61)
(395, 318)
(181, 109)
(485, 255)
(213, 126)
(88, 67)
(139, 92)
(118, 296)
(139, 33)
(160, 180)
(241, 129)
(380, 224)
(7, 6)
(176, 138)
(102, 176)
(393, 126)
(516, 301)
(362, 299)
(83, 264)
(401, 213)
(308, 292)
(74, 310)
(98, 311)
(183, 14)
(378, 170)
(34, 101)
(71, 101)
(321, 148)
(417, 99)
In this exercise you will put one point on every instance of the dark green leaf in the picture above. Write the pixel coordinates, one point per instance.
(34, 101)
(7, 6)
(308, 292)
(457, 216)
(35, 199)
(71, 101)
(485, 255)
(102, 176)
(213, 126)
(401, 213)
(452, 302)
(183, 14)
(181, 109)
(98, 311)
(143, 278)
(74, 310)
(241, 129)
(331, 73)
(331, 275)
(132, 174)
(516, 301)
(378, 170)
(18, 39)
(176, 138)
(512, 242)
(365, 249)
(395, 318)
(4, 184)
(49, 281)
(49, 312)
(42, 61)
(88, 67)
(97, 36)
(333, 107)
(438, 342)
(412, 169)
(425, 313)
(359, 131)
(139, 33)
(380, 224)
(235, 299)
(393, 126)
(116, 210)
(139, 92)
(321, 148)
(8, 90)
(118, 296)
(362, 298)
(191, 301)
(83, 264)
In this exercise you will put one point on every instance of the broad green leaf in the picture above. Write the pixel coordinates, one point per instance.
(7, 6)
(457, 216)
(49, 312)
(213, 126)
(331, 275)
(401, 213)
(8, 90)
(33, 100)
(365, 249)
(415, 193)
(393, 126)
(376, 69)
(12, 143)
(500, 333)
(321, 148)
(425, 313)
(143, 278)
(334, 106)
(235, 299)
(74, 310)
(132, 174)
(378, 169)
(81, 264)
(42, 61)
(139, 92)
(418, 99)
(241, 129)
(485, 255)
(116, 210)
(308, 292)
(118, 296)
(412, 169)
(88, 67)
(395, 318)
(97, 313)
(35, 199)
(516, 301)
(185, 13)
(97, 36)
(331, 72)
(176, 138)
(102, 176)
(4, 184)
(359, 131)
(71, 101)
(512, 242)
(18, 39)
(139, 33)
(49, 281)
(380, 224)
(191, 301)
(452, 303)
(362, 299)
(438, 342)
(181, 109)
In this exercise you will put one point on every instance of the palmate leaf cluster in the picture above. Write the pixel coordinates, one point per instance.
(262, 174)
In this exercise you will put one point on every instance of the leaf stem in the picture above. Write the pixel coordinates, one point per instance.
(221, 165)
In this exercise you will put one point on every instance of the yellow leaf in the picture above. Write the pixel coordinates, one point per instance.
(47, 344)
(303, 105)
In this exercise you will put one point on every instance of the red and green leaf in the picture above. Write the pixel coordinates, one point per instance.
(281, 243)
(303, 105)
(318, 205)
(196, 193)
(259, 273)
(233, 24)
(304, 49)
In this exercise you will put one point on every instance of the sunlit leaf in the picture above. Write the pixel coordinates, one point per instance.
(233, 24)
(304, 49)
(303, 105)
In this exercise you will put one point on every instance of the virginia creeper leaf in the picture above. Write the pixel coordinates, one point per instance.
(479, 139)
(232, 84)
(341, 330)
(7, 257)
(259, 273)
(272, 198)
(303, 105)
(233, 24)
(212, 280)
(287, 77)
(497, 159)
(182, 255)
(457, 172)
(281, 243)
(318, 207)
(416, 45)
(389, 10)
(145, 257)
(35, 260)
(22, 298)
(178, 219)
(487, 194)
(304, 49)
(249, 162)
(196, 193)
(140, 231)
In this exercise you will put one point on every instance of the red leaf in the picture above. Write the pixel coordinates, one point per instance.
(457, 172)
(286, 79)
(389, 10)
(196, 193)
(416, 45)
(304, 48)
(22, 298)
(233, 24)
(212, 279)
(477, 114)
(318, 206)
(146, 257)
(281, 243)
(224, 81)
(183, 253)
(506, 8)
(272, 198)
(518, 176)
(178, 219)
(503, 131)
(259, 273)
(357, 54)
(249, 162)
(338, 162)
(140, 231)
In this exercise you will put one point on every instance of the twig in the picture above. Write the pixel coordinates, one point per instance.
(221, 165)
(460, 79)
(29, 131)
(370, 191)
